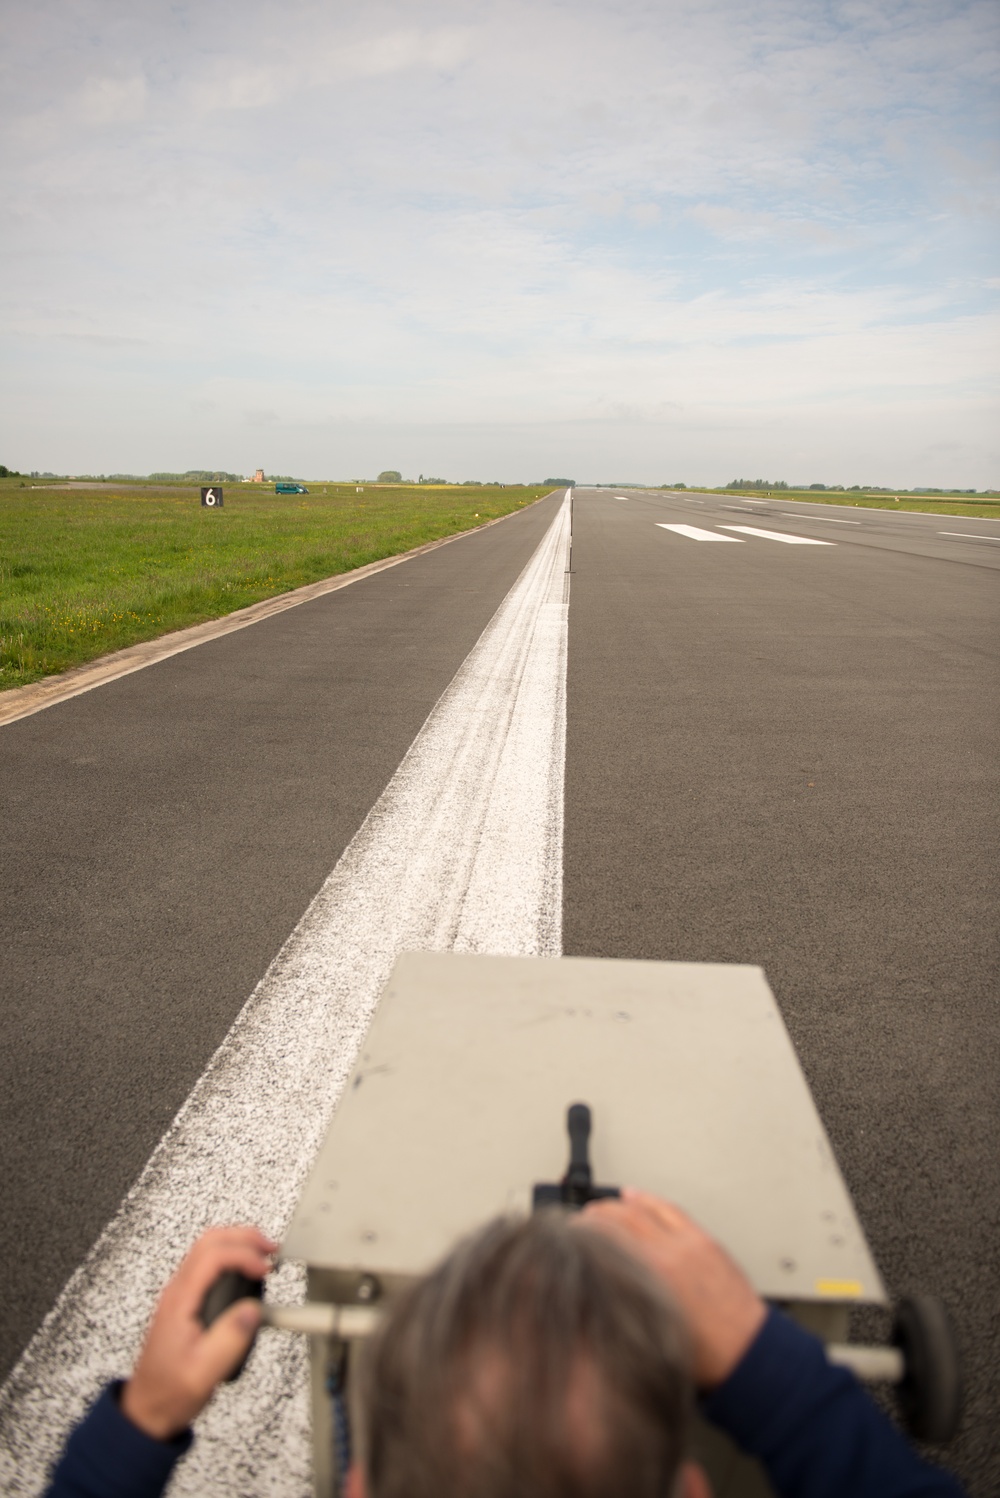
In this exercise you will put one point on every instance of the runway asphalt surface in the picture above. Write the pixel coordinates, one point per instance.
(162, 836)
(787, 755)
(781, 754)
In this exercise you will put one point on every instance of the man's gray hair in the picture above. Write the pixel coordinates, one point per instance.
(539, 1360)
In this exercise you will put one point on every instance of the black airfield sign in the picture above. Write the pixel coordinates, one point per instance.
(212, 497)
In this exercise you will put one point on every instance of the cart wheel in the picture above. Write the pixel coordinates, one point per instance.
(930, 1394)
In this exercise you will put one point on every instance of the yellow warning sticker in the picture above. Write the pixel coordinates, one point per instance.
(841, 1288)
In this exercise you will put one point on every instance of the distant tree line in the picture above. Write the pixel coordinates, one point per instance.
(393, 476)
(757, 484)
(838, 488)
(196, 476)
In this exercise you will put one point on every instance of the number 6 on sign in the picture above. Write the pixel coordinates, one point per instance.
(212, 498)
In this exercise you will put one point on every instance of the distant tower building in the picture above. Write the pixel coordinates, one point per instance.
(258, 477)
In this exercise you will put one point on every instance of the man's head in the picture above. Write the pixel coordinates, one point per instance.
(539, 1359)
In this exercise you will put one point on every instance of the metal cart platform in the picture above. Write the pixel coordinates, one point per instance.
(456, 1107)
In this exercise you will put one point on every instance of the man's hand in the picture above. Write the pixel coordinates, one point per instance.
(722, 1310)
(181, 1363)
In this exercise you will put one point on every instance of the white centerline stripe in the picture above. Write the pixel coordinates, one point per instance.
(968, 536)
(694, 533)
(753, 530)
(463, 851)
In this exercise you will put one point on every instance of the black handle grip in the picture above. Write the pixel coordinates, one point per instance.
(577, 1187)
(577, 1180)
(578, 1124)
(224, 1292)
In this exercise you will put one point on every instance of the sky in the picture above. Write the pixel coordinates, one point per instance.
(685, 240)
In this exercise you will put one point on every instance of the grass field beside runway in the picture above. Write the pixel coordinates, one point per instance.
(929, 504)
(87, 571)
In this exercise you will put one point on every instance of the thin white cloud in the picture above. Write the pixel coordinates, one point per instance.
(465, 215)
(113, 101)
(399, 51)
(289, 70)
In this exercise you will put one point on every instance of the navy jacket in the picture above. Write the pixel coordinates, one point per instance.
(812, 1426)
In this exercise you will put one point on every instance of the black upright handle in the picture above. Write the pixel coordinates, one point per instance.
(578, 1124)
(577, 1187)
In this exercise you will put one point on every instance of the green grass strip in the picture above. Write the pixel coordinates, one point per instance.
(87, 571)
(930, 504)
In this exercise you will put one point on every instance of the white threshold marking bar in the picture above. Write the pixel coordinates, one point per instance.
(968, 536)
(462, 851)
(695, 533)
(753, 530)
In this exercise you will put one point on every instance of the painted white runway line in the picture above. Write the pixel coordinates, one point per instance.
(695, 533)
(463, 850)
(968, 536)
(826, 519)
(753, 530)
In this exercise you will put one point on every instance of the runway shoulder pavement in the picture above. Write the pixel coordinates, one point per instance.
(162, 836)
(787, 755)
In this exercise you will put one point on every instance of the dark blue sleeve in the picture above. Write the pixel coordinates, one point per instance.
(813, 1427)
(107, 1456)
